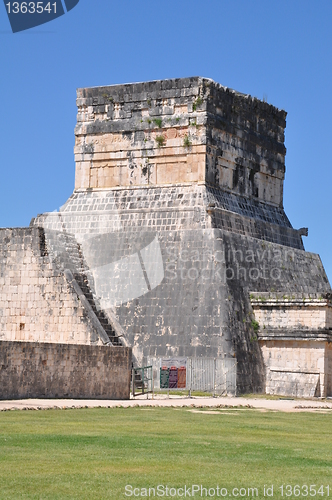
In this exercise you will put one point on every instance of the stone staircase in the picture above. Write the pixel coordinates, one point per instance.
(83, 283)
(66, 252)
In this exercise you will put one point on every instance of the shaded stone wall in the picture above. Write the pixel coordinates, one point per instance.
(44, 370)
(262, 266)
(245, 144)
(328, 368)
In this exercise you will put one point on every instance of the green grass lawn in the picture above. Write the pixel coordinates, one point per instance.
(95, 453)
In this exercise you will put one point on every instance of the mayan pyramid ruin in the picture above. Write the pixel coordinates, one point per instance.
(175, 242)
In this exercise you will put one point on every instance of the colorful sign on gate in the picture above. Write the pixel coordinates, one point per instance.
(173, 372)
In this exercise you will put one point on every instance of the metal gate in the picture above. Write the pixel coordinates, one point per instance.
(141, 381)
(216, 376)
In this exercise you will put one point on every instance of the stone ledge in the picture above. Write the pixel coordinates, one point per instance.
(129, 92)
(280, 299)
(291, 334)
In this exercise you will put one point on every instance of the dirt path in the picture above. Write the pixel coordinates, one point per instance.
(174, 401)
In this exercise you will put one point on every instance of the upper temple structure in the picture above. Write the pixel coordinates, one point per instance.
(175, 242)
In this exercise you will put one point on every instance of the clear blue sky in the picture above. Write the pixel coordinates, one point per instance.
(280, 49)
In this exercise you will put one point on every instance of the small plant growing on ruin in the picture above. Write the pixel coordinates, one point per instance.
(149, 121)
(160, 140)
(149, 102)
(186, 142)
(255, 325)
(177, 119)
(158, 122)
(197, 103)
(107, 97)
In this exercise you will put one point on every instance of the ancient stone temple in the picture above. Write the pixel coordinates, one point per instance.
(175, 241)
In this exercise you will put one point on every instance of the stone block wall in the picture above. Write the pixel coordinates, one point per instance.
(297, 368)
(140, 134)
(45, 370)
(185, 130)
(245, 144)
(196, 299)
(37, 303)
(294, 332)
(293, 311)
(257, 228)
(265, 267)
(89, 213)
(328, 368)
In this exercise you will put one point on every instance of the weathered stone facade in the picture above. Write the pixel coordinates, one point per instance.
(176, 219)
(45, 370)
(173, 131)
(295, 336)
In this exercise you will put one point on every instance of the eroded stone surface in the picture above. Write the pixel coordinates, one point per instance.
(295, 333)
(181, 130)
(39, 369)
